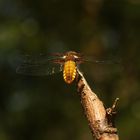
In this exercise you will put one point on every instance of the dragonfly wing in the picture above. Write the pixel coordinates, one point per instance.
(38, 70)
(97, 60)
(41, 64)
(54, 69)
(103, 61)
(36, 59)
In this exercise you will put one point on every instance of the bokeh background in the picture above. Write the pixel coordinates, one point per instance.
(45, 108)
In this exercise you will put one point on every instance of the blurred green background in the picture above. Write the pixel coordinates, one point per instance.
(46, 108)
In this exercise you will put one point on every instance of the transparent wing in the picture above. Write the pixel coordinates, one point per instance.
(95, 60)
(101, 68)
(103, 61)
(39, 65)
(38, 70)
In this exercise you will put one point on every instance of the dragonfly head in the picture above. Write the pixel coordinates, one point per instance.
(73, 56)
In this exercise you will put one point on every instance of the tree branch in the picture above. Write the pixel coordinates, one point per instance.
(100, 120)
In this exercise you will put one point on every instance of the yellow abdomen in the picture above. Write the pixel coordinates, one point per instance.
(69, 71)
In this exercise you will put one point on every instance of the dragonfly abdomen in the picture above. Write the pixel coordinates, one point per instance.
(69, 71)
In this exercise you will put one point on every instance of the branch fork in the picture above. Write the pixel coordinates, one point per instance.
(101, 120)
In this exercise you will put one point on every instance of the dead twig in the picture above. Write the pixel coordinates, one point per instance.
(100, 119)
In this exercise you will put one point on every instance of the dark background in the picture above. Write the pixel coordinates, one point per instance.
(46, 108)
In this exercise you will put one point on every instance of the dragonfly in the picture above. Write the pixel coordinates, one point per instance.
(68, 62)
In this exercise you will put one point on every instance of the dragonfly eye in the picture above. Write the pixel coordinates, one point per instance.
(75, 56)
(64, 57)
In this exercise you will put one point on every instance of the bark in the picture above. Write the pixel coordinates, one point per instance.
(101, 120)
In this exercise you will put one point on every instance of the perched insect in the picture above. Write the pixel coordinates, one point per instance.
(67, 62)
